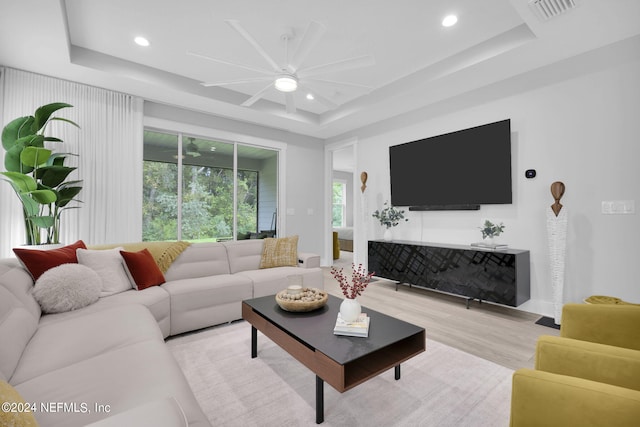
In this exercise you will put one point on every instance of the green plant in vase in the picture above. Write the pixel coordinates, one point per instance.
(37, 175)
(490, 230)
(389, 217)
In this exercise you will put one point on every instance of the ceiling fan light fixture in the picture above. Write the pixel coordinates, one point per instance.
(286, 83)
(192, 149)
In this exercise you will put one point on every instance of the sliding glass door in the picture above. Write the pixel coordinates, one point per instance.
(199, 189)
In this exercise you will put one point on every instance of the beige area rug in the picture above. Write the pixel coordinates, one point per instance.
(440, 387)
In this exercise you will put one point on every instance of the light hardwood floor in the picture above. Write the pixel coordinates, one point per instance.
(503, 335)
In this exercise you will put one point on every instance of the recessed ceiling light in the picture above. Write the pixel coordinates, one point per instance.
(310, 97)
(449, 20)
(141, 41)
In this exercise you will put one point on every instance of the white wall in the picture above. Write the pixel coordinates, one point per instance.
(584, 132)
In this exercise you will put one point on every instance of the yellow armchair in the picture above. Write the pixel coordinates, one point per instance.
(589, 376)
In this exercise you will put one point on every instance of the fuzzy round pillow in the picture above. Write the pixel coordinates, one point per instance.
(67, 287)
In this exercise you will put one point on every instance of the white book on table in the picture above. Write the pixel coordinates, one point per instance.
(359, 328)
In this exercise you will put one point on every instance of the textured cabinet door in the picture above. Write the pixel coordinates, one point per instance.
(497, 276)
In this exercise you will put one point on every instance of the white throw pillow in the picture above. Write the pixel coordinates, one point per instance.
(67, 287)
(110, 267)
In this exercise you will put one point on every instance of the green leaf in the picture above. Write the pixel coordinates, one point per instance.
(22, 183)
(59, 158)
(62, 119)
(12, 161)
(43, 113)
(34, 156)
(52, 176)
(66, 195)
(31, 207)
(14, 130)
(31, 141)
(76, 183)
(44, 221)
(44, 197)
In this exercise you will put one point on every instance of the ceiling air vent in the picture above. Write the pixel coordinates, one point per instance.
(546, 9)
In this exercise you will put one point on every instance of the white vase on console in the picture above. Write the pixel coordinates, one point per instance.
(388, 235)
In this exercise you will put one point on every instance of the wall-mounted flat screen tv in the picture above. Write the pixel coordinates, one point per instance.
(457, 170)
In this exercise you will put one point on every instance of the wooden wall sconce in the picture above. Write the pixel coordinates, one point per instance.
(363, 179)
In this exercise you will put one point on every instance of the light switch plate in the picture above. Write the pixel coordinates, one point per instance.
(619, 207)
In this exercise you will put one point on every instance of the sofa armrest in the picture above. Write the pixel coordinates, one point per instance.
(602, 323)
(596, 362)
(162, 413)
(308, 260)
(544, 399)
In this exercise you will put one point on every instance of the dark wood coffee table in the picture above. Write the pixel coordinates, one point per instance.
(343, 362)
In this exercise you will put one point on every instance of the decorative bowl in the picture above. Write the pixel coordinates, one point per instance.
(308, 300)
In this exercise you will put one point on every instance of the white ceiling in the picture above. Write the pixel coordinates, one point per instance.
(418, 62)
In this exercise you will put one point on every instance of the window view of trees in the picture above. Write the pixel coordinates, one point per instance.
(207, 202)
(160, 201)
(339, 201)
(207, 192)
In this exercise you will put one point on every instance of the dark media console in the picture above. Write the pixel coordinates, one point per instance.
(500, 276)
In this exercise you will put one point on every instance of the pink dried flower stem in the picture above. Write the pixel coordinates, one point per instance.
(359, 280)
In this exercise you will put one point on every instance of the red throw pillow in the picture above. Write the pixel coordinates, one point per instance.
(143, 269)
(38, 261)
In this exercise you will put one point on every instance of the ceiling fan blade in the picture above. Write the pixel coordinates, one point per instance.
(342, 65)
(291, 103)
(234, 64)
(311, 37)
(333, 82)
(234, 82)
(253, 42)
(323, 100)
(249, 102)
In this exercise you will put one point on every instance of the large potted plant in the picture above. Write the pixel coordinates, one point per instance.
(37, 175)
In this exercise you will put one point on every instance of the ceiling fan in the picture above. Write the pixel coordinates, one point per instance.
(292, 75)
(189, 148)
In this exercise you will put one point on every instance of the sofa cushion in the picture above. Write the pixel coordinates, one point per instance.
(272, 280)
(17, 326)
(244, 254)
(154, 298)
(199, 260)
(38, 261)
(73, 339)
(124, 376)
(19, 415)
(279, 252)
(67, 287)
(109, 265)
(142, 269)
(15, 278)
(195, 302)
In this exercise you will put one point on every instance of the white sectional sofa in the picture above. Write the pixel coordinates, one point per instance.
(109, 359)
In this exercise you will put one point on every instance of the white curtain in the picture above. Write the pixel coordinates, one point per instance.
(109, 148)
